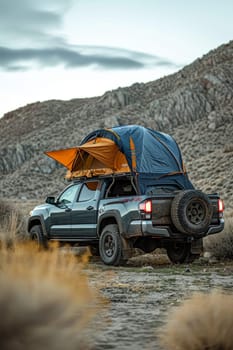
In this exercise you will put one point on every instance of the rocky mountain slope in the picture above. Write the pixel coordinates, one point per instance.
(195, 105)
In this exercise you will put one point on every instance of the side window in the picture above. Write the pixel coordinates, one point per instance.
(88, 191)
(69, 194)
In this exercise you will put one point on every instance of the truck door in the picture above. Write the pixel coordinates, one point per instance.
(60, 215)
(84, 211)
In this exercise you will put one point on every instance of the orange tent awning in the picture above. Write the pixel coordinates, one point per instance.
(105, 151)
(100, 153)
(64, 156)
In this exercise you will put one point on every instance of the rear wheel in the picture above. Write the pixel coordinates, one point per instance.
(180, 252)
(37, 236)
(113, 248)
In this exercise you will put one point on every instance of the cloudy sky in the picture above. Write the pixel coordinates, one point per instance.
(63, 49)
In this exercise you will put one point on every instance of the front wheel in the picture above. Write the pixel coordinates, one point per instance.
(37, 236)
(113, 248)
(180, 252)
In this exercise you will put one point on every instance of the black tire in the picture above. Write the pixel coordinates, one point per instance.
(111, 245)
(36, 235)
(191, 212)
(180, 252)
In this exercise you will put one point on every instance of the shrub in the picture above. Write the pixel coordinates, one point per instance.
(228, 148)
(45, 300)
(204, 322)
(221, 245)
(12, 223)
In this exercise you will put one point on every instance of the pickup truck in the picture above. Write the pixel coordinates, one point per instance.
(110, 216)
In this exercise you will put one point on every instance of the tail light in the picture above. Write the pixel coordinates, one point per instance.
(146, 208)
(220, 206)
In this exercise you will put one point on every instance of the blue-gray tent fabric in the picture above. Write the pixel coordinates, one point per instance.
(157, 153)
(180, 181)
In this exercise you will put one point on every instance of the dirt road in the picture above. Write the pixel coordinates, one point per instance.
(141, 297)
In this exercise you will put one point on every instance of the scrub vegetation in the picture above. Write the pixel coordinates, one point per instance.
(203, 322)
(12, 223)
(45, 299)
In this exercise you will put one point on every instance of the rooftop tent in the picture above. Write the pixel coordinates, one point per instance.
(156, 152)
(152, 155)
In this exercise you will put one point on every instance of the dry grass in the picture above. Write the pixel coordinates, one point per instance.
(45, 300)
(228, 148)
(12, 223)
(221, 245)
(204, 322)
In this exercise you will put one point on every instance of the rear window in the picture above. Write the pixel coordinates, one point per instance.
(120, 188)
(88, 191)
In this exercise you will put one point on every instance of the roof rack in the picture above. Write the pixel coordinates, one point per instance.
(77, 179)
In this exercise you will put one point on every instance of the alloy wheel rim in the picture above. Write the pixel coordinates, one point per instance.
(109, 245)
(196, 212)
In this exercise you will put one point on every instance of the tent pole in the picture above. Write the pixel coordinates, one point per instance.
(136, 185)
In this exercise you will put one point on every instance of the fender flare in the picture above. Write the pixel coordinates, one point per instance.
(111, 215)
(39, 218)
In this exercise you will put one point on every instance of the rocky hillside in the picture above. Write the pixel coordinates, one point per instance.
(195, 105)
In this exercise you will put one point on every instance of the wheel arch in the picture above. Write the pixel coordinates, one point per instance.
(109, 219)
(37, 220)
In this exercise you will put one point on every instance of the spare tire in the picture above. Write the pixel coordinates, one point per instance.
(191, 212)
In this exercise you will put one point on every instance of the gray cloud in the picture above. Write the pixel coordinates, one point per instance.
(25, 21)
(109, 58)
(33, 14)
(13, 59)
(27, 40)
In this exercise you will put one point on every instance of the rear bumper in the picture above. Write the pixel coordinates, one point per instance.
(216, 229)
(145, 228)
(156, 231)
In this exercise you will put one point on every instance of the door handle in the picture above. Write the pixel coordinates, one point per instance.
(90, 207)
(68, 209)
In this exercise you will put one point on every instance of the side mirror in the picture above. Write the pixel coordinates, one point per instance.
(50, 200)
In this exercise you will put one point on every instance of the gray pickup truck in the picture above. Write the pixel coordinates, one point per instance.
(110, 215)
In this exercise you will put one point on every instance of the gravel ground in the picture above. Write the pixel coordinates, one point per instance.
(140, 298)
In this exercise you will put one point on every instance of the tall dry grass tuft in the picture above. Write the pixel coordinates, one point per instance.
(221, 245)
(228, 148)
(12, 223)
(45, 300)
(204, 322)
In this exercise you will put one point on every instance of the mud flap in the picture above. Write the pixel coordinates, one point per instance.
(127, 250)
(197, 246)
